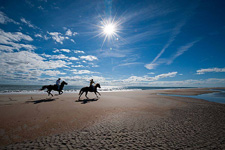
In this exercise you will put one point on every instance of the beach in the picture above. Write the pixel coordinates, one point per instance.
(116, 120)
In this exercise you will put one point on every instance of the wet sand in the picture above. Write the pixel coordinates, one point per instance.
(117, 120)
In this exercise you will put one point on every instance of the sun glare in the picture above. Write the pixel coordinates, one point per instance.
(109, 29)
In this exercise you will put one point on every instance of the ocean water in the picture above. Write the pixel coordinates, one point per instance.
(34, 89)
(218, 96)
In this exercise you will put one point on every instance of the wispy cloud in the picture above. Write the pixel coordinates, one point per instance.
(131, 63)
(203, 71)
(28, 23)
(175, 32)
(181, 50)
(5, 19)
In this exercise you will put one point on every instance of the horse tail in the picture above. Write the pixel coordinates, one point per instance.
(43, 87)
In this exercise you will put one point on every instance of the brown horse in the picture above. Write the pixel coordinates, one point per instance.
(88, 89)
(54, 87)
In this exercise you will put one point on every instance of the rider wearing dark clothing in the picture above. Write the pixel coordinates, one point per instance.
(91, 86)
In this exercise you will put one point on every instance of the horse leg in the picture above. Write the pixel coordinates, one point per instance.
(96, 94)
(49, 92)
(80, 95)
(86, 94)
(60, 92)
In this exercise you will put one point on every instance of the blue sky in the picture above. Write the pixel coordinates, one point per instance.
(154, 43)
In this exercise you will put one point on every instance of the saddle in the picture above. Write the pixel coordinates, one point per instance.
(91, 88)
(55, 86)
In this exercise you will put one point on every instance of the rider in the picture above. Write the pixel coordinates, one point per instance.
(58, 83)
(91, 86)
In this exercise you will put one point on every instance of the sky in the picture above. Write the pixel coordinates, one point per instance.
(122, 43)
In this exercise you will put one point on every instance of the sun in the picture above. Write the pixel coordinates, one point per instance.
(109, 29)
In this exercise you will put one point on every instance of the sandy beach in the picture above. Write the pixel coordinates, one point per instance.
(117, 120)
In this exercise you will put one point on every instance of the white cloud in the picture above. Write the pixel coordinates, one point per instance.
(75, 71)
(38, 35)
(28, 23)
(6, 48)
(57, 37)
(146, 78)
(77, 66)
(75, 33)
(25, 64)
(203, 71)
(151, 73)
(151, 66)
(69, 32)
(52, 72)
(61, 56)
(41, 8)
(4, 19)
(78, 51)
(89, 58)
(73, 58)
(10, 41)
(55, 51)
(16, 36)
(65, 50)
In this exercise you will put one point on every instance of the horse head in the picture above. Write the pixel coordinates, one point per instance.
(98, 85)
(64, 83)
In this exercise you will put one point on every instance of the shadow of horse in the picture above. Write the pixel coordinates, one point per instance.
(85, 101)
(42, 100)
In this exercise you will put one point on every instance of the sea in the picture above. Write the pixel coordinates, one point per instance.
(218, 96)
(35, 89)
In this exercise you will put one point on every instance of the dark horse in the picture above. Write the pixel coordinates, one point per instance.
(88, 89)
(54, 87)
